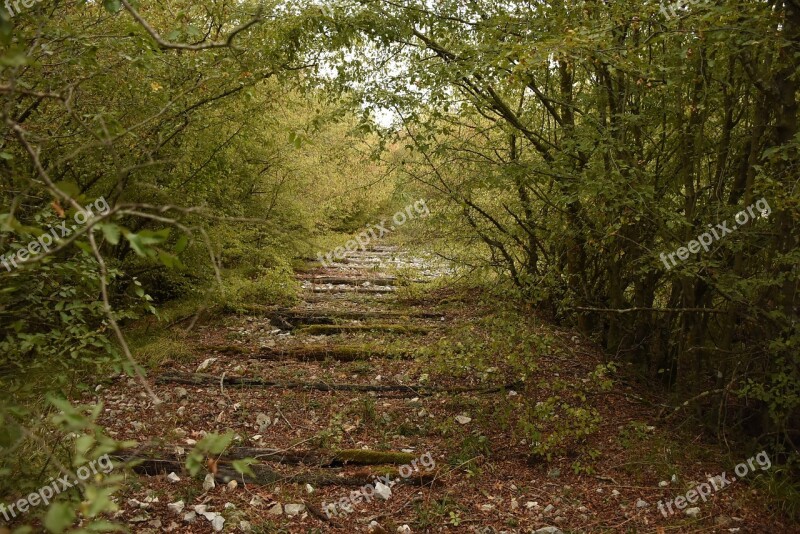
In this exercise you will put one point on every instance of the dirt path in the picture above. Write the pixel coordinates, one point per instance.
(331, 399)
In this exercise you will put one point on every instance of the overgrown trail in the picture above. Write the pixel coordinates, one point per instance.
(332, 397)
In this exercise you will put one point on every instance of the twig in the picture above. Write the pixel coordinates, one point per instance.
(164, 44)
(113, 322)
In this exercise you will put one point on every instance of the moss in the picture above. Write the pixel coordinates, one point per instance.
(160, 350)
(319, 353)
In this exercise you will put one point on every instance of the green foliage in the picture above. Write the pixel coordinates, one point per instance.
(153, 352)
(567, 146)
(269, 287)
(565, 420)
(474, 449)
(27, 466)
(211, 445)
(476, 348)
(59, 330)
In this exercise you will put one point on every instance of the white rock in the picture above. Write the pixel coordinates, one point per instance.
(257, 501)
(275, 509)
(463, 419)
(190, 517)
(514, 504)
(155, 523)
(487, 507)
(176, 507)
(206, 363)
(663, 484)
(309, 488)
(211, 516)
(172, 477)
(548, 530)
(263, 421)
(181, 393)
(641, 503)
(208, 483)
(549, 508)
(200, 508)
(615, 493)
(383, 491)
(531, 504)
(294, 509)
(245, 526)
(218, 523)
(692, 512)
(232, 485)
(229, 506)
(134, 503)
(405, 529)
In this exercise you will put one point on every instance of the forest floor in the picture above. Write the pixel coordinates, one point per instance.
(310, 386)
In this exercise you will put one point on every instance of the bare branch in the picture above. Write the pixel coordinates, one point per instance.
(167, 45)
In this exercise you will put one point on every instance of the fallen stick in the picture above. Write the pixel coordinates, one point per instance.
(316, 458)
(332, 329)
(263, 475)
(350, 289)
(319, 353)
(200, 379)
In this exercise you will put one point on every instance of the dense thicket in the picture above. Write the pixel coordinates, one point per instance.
(213, 158)
(582, 143)
(569, 148)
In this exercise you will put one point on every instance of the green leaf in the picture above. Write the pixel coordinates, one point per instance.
(169, 260)
(70, 188)
(243, 466)
(99, 500)
(181, 245)
(141, 242)
(212, 444)
(59, 517)
(111, 232)
(112, 5)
